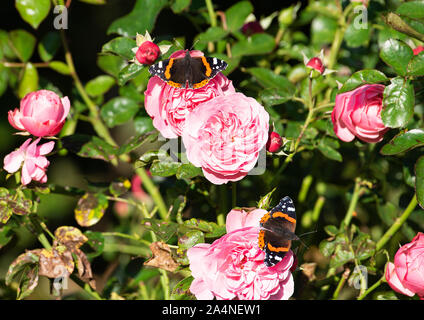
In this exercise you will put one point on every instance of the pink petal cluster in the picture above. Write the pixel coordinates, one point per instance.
(232, 267)
(169, 106)
(406, 274)
(31, 157)
(224, 136)
(41, 113)
(357, 114)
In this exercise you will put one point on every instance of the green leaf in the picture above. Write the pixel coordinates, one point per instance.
(331, 230)
(398, 103)
(118, 111)
(143, 124)
(327, 247)
(188, 171)
(164, 168)
(90, 209)
(259, 43)
(265, 201)
(5, 46)
(60, 67)
(419, 181)
(356, 37)
(99, 85)
(181, 290)
(274, 96)
(5, 233)
(323, 29)
(270, 79)
(137, 141)
(163, 229)
(141, 18)
(396, 54)
(362, 77)
(212, 34)
(33, 11)
(328, 151)
(4, 77)
(22, 43)
(416, 65)
(121, 46)
(88, 146)
(96, 241)
(111, 64)
(237, 14)
(29, 81)
(49, 45)
(403, 142)
(180, 5)
(129, 72)
(411, 9)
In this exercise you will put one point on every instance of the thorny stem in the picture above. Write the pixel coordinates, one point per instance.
(398, 223)
(342, 281)
(372, 288)
(353, 202)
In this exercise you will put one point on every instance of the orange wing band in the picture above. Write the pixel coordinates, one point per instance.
(207, 65)
(168, 68)
(283, 215)
(274, 249)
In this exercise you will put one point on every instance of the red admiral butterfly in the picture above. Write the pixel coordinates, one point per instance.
(277, 231)
(195, 72)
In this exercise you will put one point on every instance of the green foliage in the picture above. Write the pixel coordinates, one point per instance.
(355, 194)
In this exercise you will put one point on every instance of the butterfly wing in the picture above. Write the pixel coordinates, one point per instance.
(277, 231)
(170, 70)
(203, 69)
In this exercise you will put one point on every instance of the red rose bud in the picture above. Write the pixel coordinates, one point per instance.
(316, 63)
(418, 49)
(147, 53)
(251, 28)
(274, 142)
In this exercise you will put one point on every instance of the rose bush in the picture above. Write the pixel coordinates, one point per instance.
(138, 190)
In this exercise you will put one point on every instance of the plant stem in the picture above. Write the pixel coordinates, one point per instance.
(353, 202)
(372, 288)
(342, 281)
(233, 194)
(398, 223)
(211, 12)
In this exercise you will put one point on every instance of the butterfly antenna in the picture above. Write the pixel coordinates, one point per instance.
(192, 46)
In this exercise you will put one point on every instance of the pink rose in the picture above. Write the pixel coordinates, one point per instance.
(34, 163)
(274, 142)
(42, 113)
(224, 136)
(232, 267)
(169, 106)
(406, 274)
(357, 113)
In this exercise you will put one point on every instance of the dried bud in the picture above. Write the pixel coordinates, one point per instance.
(274, 142)
(251, 28)
(147, 52)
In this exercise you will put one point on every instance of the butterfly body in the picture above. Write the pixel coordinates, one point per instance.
(277, 231)
(188, 71)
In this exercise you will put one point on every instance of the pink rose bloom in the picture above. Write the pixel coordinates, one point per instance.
(357, 113)
(224, 136)
(232, 267)
(316, 64)
(169, 106)
(406, 274)
(34, 163)
(42, 113)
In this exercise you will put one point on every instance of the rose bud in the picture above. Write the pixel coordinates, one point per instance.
(274, 142)
(418, 49)
(251, 28)
(147, 53)
(41, 113)
(405, 275)
(316, 64)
